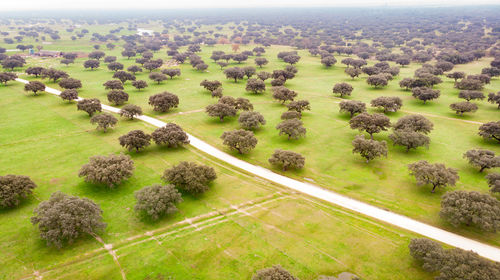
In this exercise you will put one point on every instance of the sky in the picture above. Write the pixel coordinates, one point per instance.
(19, 5)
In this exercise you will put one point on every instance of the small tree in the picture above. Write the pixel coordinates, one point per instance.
(283, 94)
(163, 102)
(170, 135)
(124, 76)
(130, 111)
(471, 95)
(378, 80)
(90, 106)
(107, 170)
(275, 272)
(344, 89)
(70, 83)
(13, 189)
(34, 86)
(211, 85)
(64, 218)
(417, 123)
(140, 84)
(438, 175)
(235, 73)
(92, 64)
(251, 120)
(425, 94)
(298, 106)
(291, 115)
(463, 107)
(221, 110)
(406, 83)
(490, 130)
(157, 77)
(249, 71)
(494, 98)
(135, 139)
(6, 77)
(287, 159)
(255, 86)
(240, 140)
(69, 94)
(471, 209)
(190, 177)
(484, 159)
(117, 97)
(113, 84)
(115, 66)
(260, 61)
(262, 75)
(368, 148)
(409, 139)
(134, 69)
(371, 123)
(352, 107)
(387, 103)
(456, 75)
(292, 128)
(35, 71)
(494, 182)
(157, 200)
(104, 121)
(428, 252)
(353, 72)
(328, 61)
(172, 72)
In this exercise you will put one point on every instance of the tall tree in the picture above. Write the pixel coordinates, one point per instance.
(368, 148)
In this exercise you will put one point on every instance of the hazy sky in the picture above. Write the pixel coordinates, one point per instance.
(7, 5)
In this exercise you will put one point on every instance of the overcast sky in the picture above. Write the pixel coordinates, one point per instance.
(8, 5)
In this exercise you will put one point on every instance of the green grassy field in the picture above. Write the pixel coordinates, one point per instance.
(327, 147)
(49, 140)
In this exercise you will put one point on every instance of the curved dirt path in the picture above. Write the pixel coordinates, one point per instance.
(401, 221)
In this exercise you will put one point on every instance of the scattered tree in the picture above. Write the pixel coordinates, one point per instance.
(157, 200)
(130, 111)
(221, 110)
(91, 106)
(368, 148)
(471, 209)
(139, 84)
(463, 107)
(163, 102)
(425, 94)
(371, 123)
(34, 86)
(287, 159)
(344, 89)
(272, 273)
(117, 97)
(104, 121)
(484, 159)
(388, 103)
(409, 139)
(292, 128)
(64, 218)
(113, 85)
(190, 177)
(437, 175)
(135, 139)
(240, 140)
(170, 135)
(251, 120)
(283, 94)
(13, 189)
(490, 130)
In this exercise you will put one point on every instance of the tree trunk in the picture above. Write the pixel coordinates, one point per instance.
(371, 136)
(433, 188)
(482, 168)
